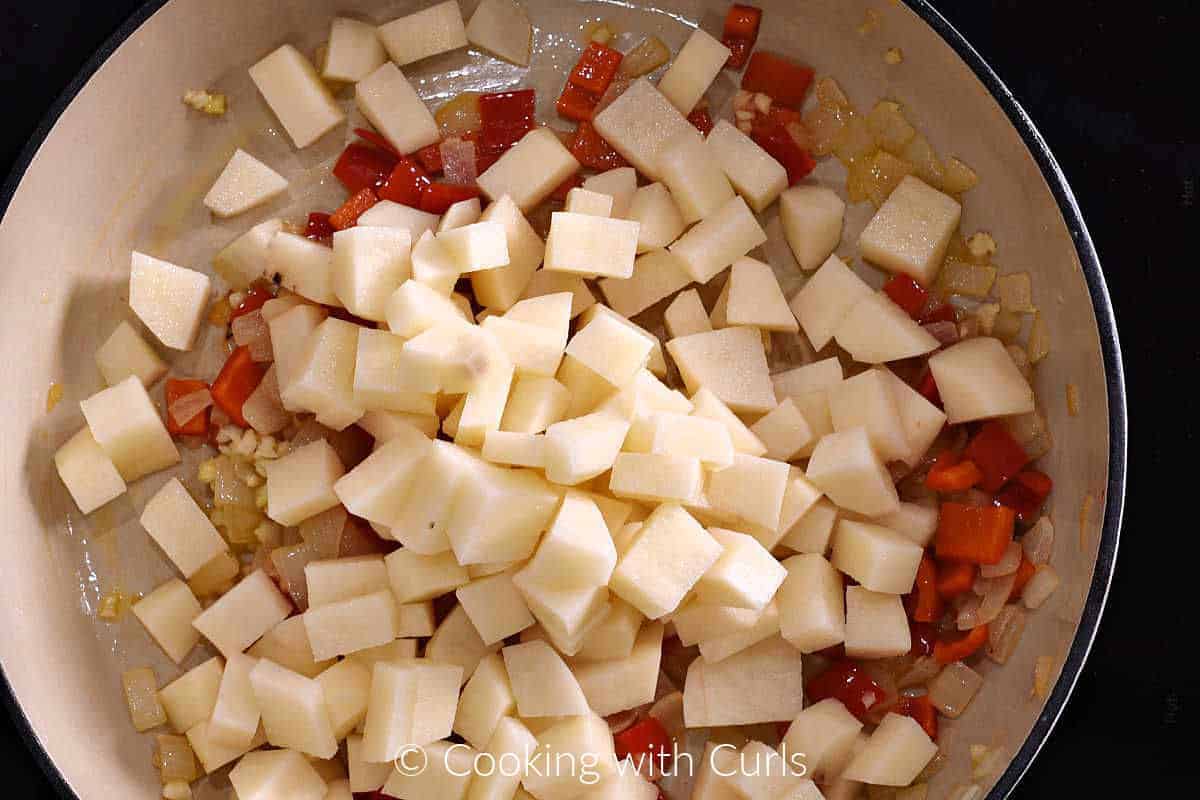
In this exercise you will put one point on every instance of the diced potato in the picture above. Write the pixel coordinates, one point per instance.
(709, 406)
(304, 267)
(190, 699)
(922, 421)
(495, 607)
(386, 425)
(244, 184)
(587, 245)
(695, 621)
(813, 532)
(416, 577)
(485, 701)
(499, 514)
(824, 732)
(545, 282)
(437, 29)
(755, 298)
(243, 614)
(368, 265)
(696, 65)
(167, 614)
(812, 610)
(235, 715)
(300, 485)
(714, 649)
(501, 27)
(421, 526)
(500, 288)
(415, 308)
(784, 431)
(181, 529)
(354, 51)
(639, 123)
(569, 745)
(390, 712)
(583, 201)
(656, 478)
(612, 350)
(664, 562)
(290, 332)
(324, 379)
(718, 240)
(384, 378)
(126, 353)
(656, 211)
(267, 774)
(377, 488)
(533, 349)
(911, 231)
(479, 246)
(293, 710)
(448, 772)
(347, 688)
(169, 299)
(760, 684)
(798, 498)
(977, 379)
(287, 645)
(624, 683)
(695, 179)
(745, 576)
(141, 696)
(457, 642)
(812, 223)
(867, 400)
(656, 275)
(614, 636)
(917, 522)
(846, 468)
(515, 449)
(365, 776)
(460, 214)
(620, 184)
(876, 625)
(532, 169)
(577, 550)
(534, 405)
(541, 682)
(704, 361)
(302, 102)
(566, 616)
(399, 650)
(767, 773)
(657, 363)
(827, 299)
(244, 260)
(346, 626)
(878, 558)
(751, 489)
(876, 331)
(213, 755)
(511, 740)
(386, 214)
(392, 106)
(89, 475)
(755, 175)
(894, 755)
(579, 449)
(684, 436)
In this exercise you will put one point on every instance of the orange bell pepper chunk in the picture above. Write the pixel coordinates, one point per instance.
(947, 651)
(237, 381)
(950, 473)
(921, 709)
(955, 578)
(927, 604)
(182, 387)
(1024, 573)
(978, 534)
(347, 216)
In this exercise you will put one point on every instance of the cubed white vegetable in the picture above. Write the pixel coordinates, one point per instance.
(448, 773)
(760, 684)
(812, 609)
(768, 773)
(624, 683)
(169, 299)
(696, 65)
(515, 449)
(584, 201)
(377, 488)
(483, 407)
(486, 699)
(385, 425)
(813, 532)
(755, 175)
(501, 287)
(824, 732)
(695, 179)
(347, 688)
(243, 614)
(457, 642)
(416, 577)
(499, 514)
(212, 754)
(545, 282)
(392, 106)
(812, 223)
(656, 211)
(589, 246)
(415, 308)
(657, 363)
(534, 404)
(293, 710)
(387, 379)
(579, 449)
(612, 350)
(354, 51)
(670, 554)
(756, 300)
(437, 29)
(751, 489)
(846, 467)
(125, 424)
(730, 363)
(745, 576)
(977, 379)
(922, 420)
(894, 755)
(878, 558)
(190, 698)
(399, 650)
(387, 214)
(876, 331)
(347, 626)
(533, 350)
(89, 475)
(531, 169)
(495, 607)
(304, 267)
(876, 625)
(368, 265)
(126, 353)
(290, 332)
(915, 521)
(464, 212)
(365, 776)
(511, 740)
(482, 245)
(245, 183)
(501, 27)
(294, 91)
(235, 715)
(639, 123)
(708, 405)
(910, 232)
(541, 682)
(653, 478)
(620, 184)
(300, 485)
(868, 401)
(684, 436)
(783, 430)
(714, 649)
(718, 240)
(826, 300)
(568, 743)
(167, 614)
(181, 528)
(244, 260)
(267, 774)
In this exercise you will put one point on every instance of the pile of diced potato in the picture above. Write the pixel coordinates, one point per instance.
(539, 461)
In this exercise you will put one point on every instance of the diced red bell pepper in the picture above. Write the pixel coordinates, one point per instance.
(251, 302)
(940, 313)
(997, 454)
(438, 197)
(405, 183)
(955, 578)
(775, 139)
(978, 534)
(646, 741)
(376, 139)
(591, 150)
(430, 158)
(347, 215)
(1026, 493)
(921, 709)
(182, 387)
(928, 389)
(740, 33)
(1025, 571)
(783, 79)
(906, 293)
(951, 473)
(701, 120)
(361, 167)
(576, 104)
(923, 634)
(318, 228)
(560, 192)
(236, 382)
(596, 68)
(925, 604)
(849, 683)
(504, 118)
(960, 646)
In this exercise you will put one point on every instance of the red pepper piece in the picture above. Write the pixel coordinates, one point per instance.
(596, 68)
(438, 197)
(591, 150)
(924, 634)
(921, 709)
(940, 313)
(560, 191)
(955, 578)
(701, 120)
(997, 454)
(182, 387)
(318, 228)
(978, 534)
(783, 79)
(504, 118)
(1024, 572)
(925, 604)
(376, 139)
(237, 381)
(774, 138)
(576, 104)
(405, 183)
(847, 681)
(1026, 493)
(929, 390)
(253, 301)
(646, 741)
(906, 293)
(740, 33)
(362, 167)
(430, 158)
(950, 473)
(961, 646)
(349, 212)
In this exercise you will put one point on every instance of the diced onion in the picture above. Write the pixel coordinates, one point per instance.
(968, 612)
(855, 141)
(141, 695)
(954, 688)
(1043, 672)
(185, 408)
(966, 279)
(1043, 583)
(458, 161)
(289, 563)
(250, 330)
(1016, 292)
(621, 721)
(889, 127)
(1038, 541)
(263, 409)
(986, 761)
(945, 332)
(920, 673)
(994, 597)
(1004, 633)
(648, 55)
(920, 153)
(228, 488)
(174, 758)
(325, 530)
(1007, 564)
(357, 540)
(959, 177)
(459, 115)
(825, 124)
(1039, 339)
(1031, 432)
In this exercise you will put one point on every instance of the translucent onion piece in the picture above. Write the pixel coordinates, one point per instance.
(1038, 541)
(889, 127)
(1016, 293)
(825, 124)
(460, 115)
(959, 177)
(669, 711)
(185, 408)
(289, 564)
(141, 695)
(953, 689)
(1043, 673)
(994, 597)
(648, 55)
(174, 758)
(945, 332)
(1004, 633)
(1043, 583)
(458, 161)
(925, 161)
(250, 330)
(828, 92)
(920, 673)
(968, 612)
(1039, 339)
(325, 529)
(228, 488)
(855, 141)
(986, 761)
(1007, 564)
(621, 721)
(1031, 432)
(357, 540)
(263, 409)
(966, 279)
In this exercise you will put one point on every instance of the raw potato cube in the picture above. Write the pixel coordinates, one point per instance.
(244, 184)
(683, 436)
(566, 615)
(365, 776)
(695, 179)
(181, 529)
(235, 715)
(541, 682)
(624, 683)
(390, 711)
(167, 614)
(243, 261)
(894, 755)
(760, 684)
(515, 449)
(659, 216)
(977, 379)
(485, 701)
(190, 698)
(910, 232)
(302, 102)
(620, 184)
(125, 424)
(213, 755)
(386, 425)
(126, 353)
(588, 246)
(612, 350)
(686, 315)
(567, 744)
(583, 201)
(534, 405)
(463, 213)
(354, 51)
(812, 608)
(270, 774)
(457, 642)
(511, 740)
(709, 406)
(752, 489)
(654, 478)
(577, 550)
(437, 29)
(415, 308)
(730, 363)
(656, 275)
(532, 169)
(346, 626)
(415, 577)
(745, 576)
(638, 125)
(922, 420)
(501, 27)
(579, 449)
(614, 636)
(287, 645)
(470, 248)
(545, 282)
(826, 300)
(368, 265)
(696, 65)
(501, 287)
(755, 175)
(381, 376)
(695, 621)
(170, 300)
(421, 527)
(876, 626)
(657, 363)
(392, 106)
(824, 732)
(289, 335)
(756, 300)
(447, 776)
(347, 687)
(664, 562)
(243, 614)
(293, 710)
(551, 311)
(808, 387)
(377, 488)
(300, 485)
(393, 652)
(784, 431)
(769, 774)
(499, 514)
(532, 349)
(812, 223)
(719, 648)
(868, 401)
(386, 214)
(495, 607)
(718, 240)
(304, 267)
(879, 558)
(846, 468)
(877, 331)
(89, 475)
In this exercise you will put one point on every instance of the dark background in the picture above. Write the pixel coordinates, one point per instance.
(1111, 85)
